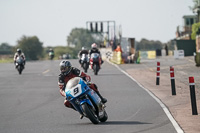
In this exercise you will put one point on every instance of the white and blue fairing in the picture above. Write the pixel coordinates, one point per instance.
(75, 88)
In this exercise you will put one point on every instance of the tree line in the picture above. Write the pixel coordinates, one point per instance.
(79, 37)
(34, 50)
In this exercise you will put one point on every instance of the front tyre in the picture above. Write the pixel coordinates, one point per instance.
(90, 114)
(96, 69)
(85, 67)
(19, 69)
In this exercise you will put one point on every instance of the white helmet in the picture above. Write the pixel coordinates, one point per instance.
(94, 45)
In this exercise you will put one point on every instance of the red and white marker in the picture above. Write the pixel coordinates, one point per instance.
(193, 96)
(158, 74)
(172, 80)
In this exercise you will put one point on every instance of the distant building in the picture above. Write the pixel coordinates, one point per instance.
(197, 11)
(184, 32)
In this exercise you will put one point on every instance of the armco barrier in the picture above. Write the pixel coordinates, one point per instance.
(147, 54)
(151, 54)
(116, 58)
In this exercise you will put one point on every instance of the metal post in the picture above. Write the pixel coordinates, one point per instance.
(108, 26)
(87, 25)
(108, 30)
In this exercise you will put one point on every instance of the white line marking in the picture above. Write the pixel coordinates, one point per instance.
(133, 115)
(46, 71)
(173, 121)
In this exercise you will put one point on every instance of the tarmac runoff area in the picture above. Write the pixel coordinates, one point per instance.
(177, 107)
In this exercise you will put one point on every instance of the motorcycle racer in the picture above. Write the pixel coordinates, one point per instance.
(68, 72)
(83, 51)
(94, 49)
(19, 53)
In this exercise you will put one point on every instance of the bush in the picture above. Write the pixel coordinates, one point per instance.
(195, 30)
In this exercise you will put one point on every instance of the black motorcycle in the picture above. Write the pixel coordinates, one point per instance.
(51, 55)
(19, 64)
(95, 63)
(85, 62)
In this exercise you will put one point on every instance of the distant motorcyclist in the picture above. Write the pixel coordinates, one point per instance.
(68, 72)
(83, 51)
(51, 53)
(94, 49)
(21, 54)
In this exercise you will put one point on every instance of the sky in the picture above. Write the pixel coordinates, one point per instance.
(52, 20)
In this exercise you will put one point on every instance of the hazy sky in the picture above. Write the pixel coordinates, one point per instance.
(52, 20)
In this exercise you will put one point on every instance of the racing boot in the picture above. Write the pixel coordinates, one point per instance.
(81, 116)
(69, 105)
(104, 100)
(102, 61)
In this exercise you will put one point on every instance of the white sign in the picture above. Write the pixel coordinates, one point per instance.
(179, 54)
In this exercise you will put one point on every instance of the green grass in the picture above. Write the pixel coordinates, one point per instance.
(6, 60)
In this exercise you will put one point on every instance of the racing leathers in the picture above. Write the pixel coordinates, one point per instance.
(63, 79)
(17, 55)
(82, 52)
(96, 50)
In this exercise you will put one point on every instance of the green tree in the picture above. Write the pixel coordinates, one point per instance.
(5, 48)
(145, 44)
(81, 37)
(31, 46)
(60, 50)
(196, 4)
(195, 30)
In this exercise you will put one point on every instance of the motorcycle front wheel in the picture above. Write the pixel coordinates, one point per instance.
(19, 69)
(96, 69)
(85, 67)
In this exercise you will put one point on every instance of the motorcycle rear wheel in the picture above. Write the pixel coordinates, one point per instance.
(104, 118)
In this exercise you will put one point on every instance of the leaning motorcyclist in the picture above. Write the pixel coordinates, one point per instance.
(83, 51)
(68, 72)
(94, 49)
(19, 53)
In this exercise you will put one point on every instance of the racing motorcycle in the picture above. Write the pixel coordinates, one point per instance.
(19, 64)
(95, 63)
(85, 62)
(85, 100)
(51, 55)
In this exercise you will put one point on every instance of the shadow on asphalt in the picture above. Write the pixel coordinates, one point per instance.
(109, 74)
(123, 123)
(116, 123)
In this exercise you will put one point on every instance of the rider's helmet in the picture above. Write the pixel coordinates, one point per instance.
(94, 45)
(83, 48)
(65, 67)
(19, 51)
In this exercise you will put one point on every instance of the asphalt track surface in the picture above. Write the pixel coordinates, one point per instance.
(31, 103)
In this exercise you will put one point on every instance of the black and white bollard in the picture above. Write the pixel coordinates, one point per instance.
(172, 80)
(193, 96)
(158, 74)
